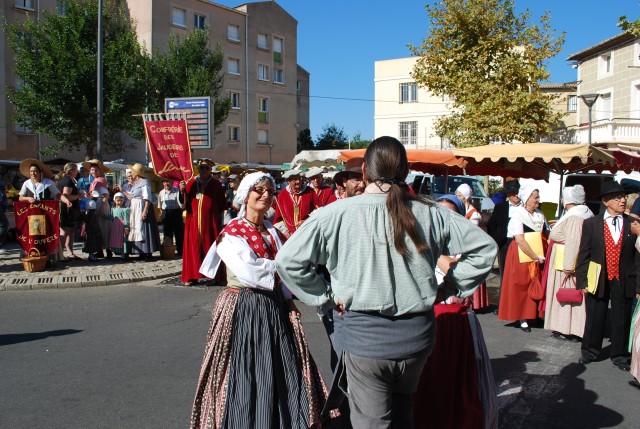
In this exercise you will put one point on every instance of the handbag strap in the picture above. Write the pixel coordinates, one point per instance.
(564, 282)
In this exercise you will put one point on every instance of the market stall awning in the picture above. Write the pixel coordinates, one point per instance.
(429, 161)
(533, 158)
(316, 158)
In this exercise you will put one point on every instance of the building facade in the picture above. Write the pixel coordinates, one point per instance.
(610, 69)
(405, 110)
(268, 89)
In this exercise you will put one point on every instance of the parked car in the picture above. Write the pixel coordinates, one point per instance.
(436, 186)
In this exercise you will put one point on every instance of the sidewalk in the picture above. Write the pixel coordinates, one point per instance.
(81, 273)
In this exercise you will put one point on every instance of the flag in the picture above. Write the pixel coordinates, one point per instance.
(168, 142)
(38, 225)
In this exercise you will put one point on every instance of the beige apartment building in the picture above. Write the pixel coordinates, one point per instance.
(566, 102)
(405, 110)
(610, 69)
(268, 89)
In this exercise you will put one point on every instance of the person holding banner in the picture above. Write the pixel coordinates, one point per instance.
(143, 226)
(204, 200)
(39, 186)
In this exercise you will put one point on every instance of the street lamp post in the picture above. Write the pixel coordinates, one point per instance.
(590, 100)
(99, 83)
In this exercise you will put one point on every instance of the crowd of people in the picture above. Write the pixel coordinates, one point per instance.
(388, 271)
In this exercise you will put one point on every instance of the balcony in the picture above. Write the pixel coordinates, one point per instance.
(614, 131)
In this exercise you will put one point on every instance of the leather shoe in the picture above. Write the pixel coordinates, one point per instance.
(525, 328)
(495, 311)
(585, 360)
(623, 366)
(635, 384)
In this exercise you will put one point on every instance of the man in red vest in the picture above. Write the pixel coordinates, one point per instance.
(607, 241)
(294, 203)
(322, 195)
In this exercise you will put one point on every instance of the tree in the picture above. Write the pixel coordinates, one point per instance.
(632, 27)
(332, 137)
(488, 61)
(189, 68)
(358, 143)
(305, 142)
(55, 61)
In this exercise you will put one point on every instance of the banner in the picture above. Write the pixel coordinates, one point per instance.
(38, 225)
(168, 142)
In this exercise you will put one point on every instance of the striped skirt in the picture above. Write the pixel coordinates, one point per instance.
(257, 371)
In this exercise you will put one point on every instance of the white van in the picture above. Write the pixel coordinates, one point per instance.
(436, 186)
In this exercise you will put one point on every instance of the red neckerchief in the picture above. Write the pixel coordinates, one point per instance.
(243, 229)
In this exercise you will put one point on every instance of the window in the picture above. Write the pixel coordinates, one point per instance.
(21, 129)
(602, 108)
(263, 110)
(179, 17)
(263, 137)
(262, 41)
(62, 7)
(409, 133)
(278, 44)
(235, 100)
(233, 33)
(199, 21)
(263, 72)
(278, 76)
(233, 66)
(234, 133)
(24, 4)
(408, 93)
(572, 103)
(298, 91)
(605, 65)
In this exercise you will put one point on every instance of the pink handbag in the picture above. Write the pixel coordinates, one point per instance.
(568, 294)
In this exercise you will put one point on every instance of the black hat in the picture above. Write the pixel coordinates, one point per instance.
(511, 186)
(608, 188)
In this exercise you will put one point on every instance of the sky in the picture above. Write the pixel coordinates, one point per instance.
(340, 40)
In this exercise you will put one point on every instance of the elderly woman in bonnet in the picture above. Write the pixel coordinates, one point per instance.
(255, 343)
(464, 193)
(566, 321)
(515, 302)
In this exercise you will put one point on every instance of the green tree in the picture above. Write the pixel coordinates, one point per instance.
(189, 68)
(305, 142)
(55, 61)
(332, 137)
(357, 142)
(632, 27)
(488, 61)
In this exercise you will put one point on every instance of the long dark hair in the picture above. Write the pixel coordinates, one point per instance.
(386, 163)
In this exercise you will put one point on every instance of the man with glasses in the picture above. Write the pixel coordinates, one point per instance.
(351, 177)
(204, 200)
(607, 242)
(294, 204)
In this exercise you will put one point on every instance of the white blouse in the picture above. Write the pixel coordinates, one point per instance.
(521, 217)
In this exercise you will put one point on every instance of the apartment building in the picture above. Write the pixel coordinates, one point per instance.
(405, 110)
(566, 102)
(610, 69)
(268, 89)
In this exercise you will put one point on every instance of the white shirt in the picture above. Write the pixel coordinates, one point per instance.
(520, 216)
(616, 232)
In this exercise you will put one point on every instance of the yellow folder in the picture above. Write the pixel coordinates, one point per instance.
(559, 261)
(535, 242)
(593, 275)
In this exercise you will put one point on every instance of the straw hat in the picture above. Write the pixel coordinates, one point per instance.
(87, 165)
(27, 163)
(138, 169)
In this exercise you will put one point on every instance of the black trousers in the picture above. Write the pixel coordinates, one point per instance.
(173, 226)
(502, 260)
(597, 309)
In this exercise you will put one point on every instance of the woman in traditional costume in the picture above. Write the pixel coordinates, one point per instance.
(519, 277)
(566, 321)
(257, 370)
(100, 218)
(144, 236)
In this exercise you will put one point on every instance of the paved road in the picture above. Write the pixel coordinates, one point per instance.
(128, 357)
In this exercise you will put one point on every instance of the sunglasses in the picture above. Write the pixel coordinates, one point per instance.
(262, 191)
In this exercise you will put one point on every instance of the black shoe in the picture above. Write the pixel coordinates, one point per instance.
(495, 311)
(109, 254)
(635, 383)
(525, 328)
(558, 336)
(92, 258)
(623, 366)
(100, 254)
(585, 360)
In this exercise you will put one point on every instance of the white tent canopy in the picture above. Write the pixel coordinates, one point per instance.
(316, 158)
